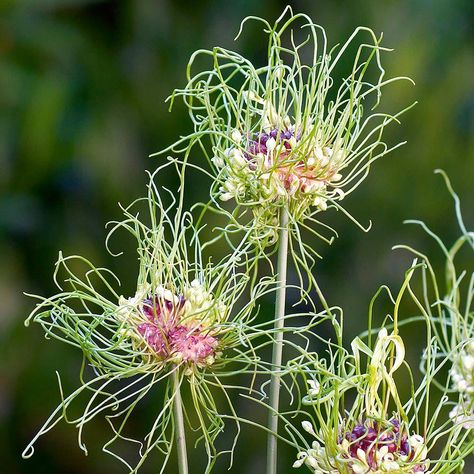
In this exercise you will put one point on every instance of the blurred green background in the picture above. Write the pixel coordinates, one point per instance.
(82, 89)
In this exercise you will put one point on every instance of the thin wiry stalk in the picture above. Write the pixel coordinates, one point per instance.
(179, 426)
(277, 346)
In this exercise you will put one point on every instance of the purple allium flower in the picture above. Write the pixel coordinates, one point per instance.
(176, 328)
(154, 337)
(369, 448)
(277, 162)
(192, 344)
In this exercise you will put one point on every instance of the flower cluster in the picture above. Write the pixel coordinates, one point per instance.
(370, 447)
(316, 459)
(286, 143)
(289, 137)
(283, 162)
(462, 372)
(176, 328)
(462, 375)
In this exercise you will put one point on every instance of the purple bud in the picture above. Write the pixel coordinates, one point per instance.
(181, 301)
(396, 424)
(358, 431)
(169, 305)
(151, 309)
(405, 447)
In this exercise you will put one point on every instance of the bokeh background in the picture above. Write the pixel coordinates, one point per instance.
(82, 90)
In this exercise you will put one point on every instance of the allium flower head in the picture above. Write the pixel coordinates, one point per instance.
(369, 448)
(280, 164)
(372, 440)
(297, 132)
(186, 327)
(363, 424)
(175, 328)
(462, 376)
(462, 373)
(463, 413)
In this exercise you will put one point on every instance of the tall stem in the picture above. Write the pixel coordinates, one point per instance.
(179, 425)
(277, 345)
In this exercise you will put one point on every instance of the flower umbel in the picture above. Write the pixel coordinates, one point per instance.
(176, 328)
(281, 164)
(369, 447)
(462, 373)
(187, 327)
(361, 423)
(297, 132)
(462, 376)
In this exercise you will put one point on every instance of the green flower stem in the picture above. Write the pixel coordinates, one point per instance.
(179, 426)
(277, 345)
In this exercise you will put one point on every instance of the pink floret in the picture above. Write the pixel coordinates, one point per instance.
(164, 334)
(192, 344)
(155, 337)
